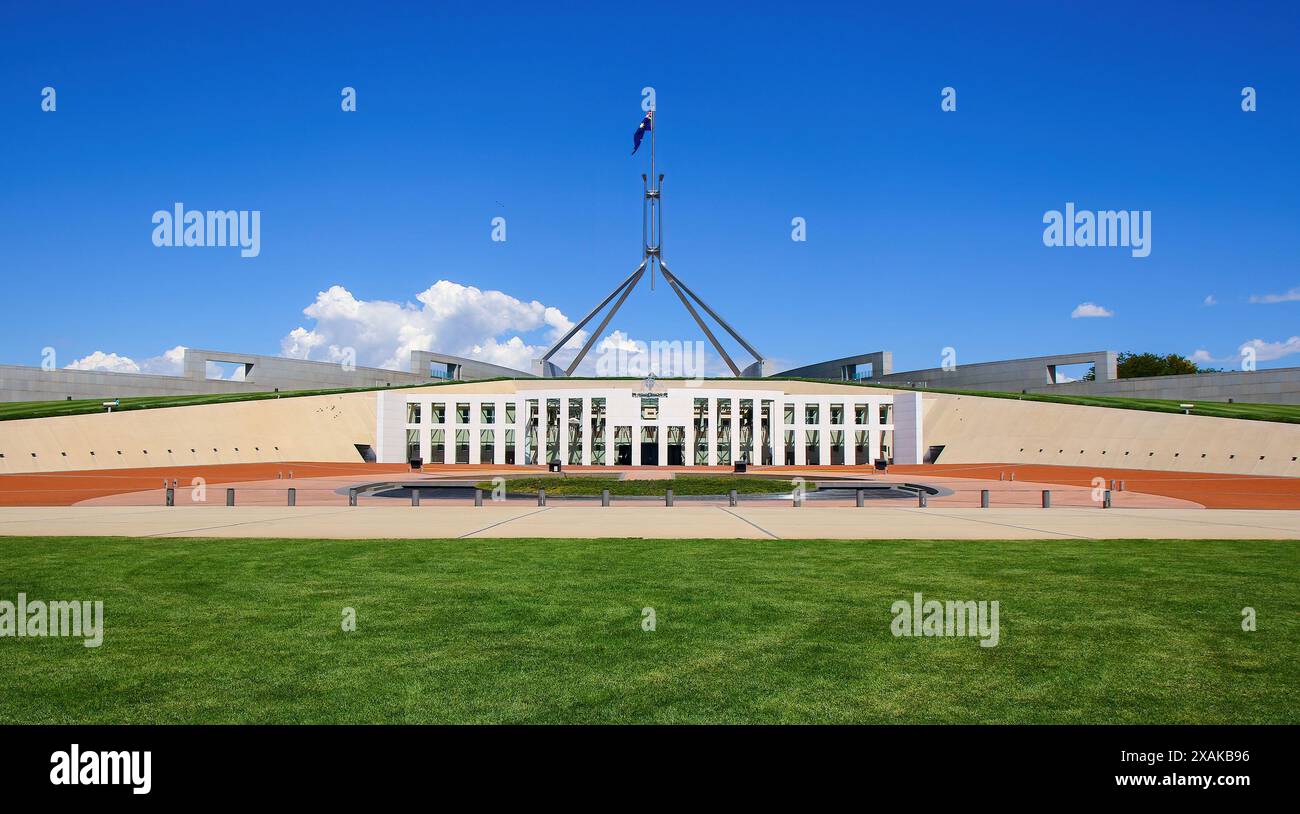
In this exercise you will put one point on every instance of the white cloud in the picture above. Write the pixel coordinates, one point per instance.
(1088, 309)
(1202, 357)
(169, 363)
(1210, 300)
(1268, 351)
(1287, 296)
(106, 361)
(449, 317)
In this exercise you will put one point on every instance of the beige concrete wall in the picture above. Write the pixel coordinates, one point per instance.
(994, 430)
(311, 428)
(972, 430)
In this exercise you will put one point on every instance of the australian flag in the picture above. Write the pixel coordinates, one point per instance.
(648, 123)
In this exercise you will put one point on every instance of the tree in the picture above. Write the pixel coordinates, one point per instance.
(1132, 365)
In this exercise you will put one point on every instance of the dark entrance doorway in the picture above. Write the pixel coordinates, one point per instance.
(649, 453)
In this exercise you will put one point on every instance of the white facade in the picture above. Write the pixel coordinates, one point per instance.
(623, 424)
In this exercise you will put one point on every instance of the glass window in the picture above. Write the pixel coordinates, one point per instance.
(462, 445)
(510, 412)
(700, 426)
(724, 442)
(462, 413)
(552, 431)
(860, 414)
(861, 447)
(598, 432)
(530, 433)
(486, 446)
(413, 412)
(789, 414)
(765, 433)
(837, 447)
(746, 450)
(837, 413)
(885, 413)
(487, 413)
(412, 445)
(437, 447)
(649, 409)
(510, 446)
(575, 431)
(812, 453)
(439, 413)
(811, 414)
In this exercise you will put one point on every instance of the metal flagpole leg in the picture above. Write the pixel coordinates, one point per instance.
(600, 330)
(577, 327)
(672, 283)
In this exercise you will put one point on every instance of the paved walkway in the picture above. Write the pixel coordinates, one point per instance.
(524, 519)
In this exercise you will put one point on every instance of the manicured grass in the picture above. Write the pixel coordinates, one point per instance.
(1285, 413)
(12, 410)
(584, 485)
(747, 631)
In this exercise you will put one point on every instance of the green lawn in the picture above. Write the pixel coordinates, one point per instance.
(12, 410)
(592, 485)
(204, 630)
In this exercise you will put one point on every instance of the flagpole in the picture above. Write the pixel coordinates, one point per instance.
(654, 202)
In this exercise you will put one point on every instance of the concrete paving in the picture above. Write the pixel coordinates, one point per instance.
(525, 519)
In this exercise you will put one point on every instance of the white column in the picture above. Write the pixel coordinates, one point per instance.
(777, 425)
(636, 443)
(521, 427)
(663, 439)
(473, 426)
(734, 433)
(824, 434)
(873, 437)
(800, 425)
(909, 439)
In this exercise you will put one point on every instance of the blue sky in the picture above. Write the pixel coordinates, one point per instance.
(924, 227)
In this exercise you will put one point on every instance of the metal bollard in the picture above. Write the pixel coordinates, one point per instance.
(861, 497)
(171, 496)
(604, 497)
(541, 497)
(797, 498)
(920, 499)
(1105, 501)
(415, 497)
(984, 498)
(1047, 498)
(230, 497)
(352, 496)
(478, 497)
(293, 496)
(731, 496)
(668, 498)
